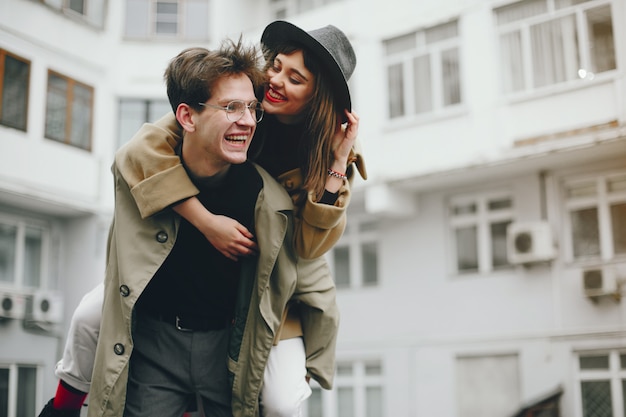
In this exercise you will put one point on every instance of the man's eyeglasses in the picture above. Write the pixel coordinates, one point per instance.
(235, 109)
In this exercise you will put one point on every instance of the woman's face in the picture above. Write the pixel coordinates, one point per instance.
(289, 89)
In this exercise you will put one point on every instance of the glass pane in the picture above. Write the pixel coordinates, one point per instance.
(498, 244)
(601, 42)
(314, 403)
(624, 396)
(374, 402)
(370, 226)
(441, 32)
(345, 402)
(451, 77)
(499, 204)
(8, 236)
(594, 362)
(369, 256)
(555, 51)
(372, 369)
(401, 44)
(167, 7)
(466, 248)
(395, 83)
(342, 266)
(521, 10)
(14, 93)
(32, 257)
(4, 392)
(169, 28)
(512, 62)
(618, 223)
(77, 5)
(423, 84)
(617, 184)
(157, 109)
(585, 232)
(81, 117)
(344, 369)
(559, 4)
(622, 361)
(596, 396)
(460, 209)
(56, 108)
(26, 383)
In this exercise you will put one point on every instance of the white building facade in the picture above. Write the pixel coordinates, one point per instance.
(482, 267)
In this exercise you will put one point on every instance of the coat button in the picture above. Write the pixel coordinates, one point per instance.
(124, 290)
(161, 237)
(118, 349)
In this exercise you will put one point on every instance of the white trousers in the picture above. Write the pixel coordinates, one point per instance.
(284, 387)
(76, 365)
(284, 384)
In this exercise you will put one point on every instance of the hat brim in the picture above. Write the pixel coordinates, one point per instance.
(280, 32)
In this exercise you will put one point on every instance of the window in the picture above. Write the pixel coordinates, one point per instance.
(14, 83)
(69, 111)
(179, 19)
(355, 257)
(358, 391)
(596, 217)
(24, 250)
(602, 379)
(487, 386)
(91, 11)
(479, 226)
(549, 42)
(18, 385)
(135, 112)
(423, 71)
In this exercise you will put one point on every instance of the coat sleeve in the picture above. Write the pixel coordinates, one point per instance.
(316, 297)
(319, 226)
(152, 169)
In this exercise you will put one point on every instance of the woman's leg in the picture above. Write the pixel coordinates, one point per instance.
(284, 385)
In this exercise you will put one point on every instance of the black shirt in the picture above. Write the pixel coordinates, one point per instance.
(196, 280)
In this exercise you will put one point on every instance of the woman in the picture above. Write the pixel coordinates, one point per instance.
(302, 143)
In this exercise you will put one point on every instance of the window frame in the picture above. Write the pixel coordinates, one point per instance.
(13, 385)
(601, 201)
(45, 270)
(482, 219)
(3, 54)
(615, 374)
(353, 240)
(435, 52)
(552, 14)
(69, 96)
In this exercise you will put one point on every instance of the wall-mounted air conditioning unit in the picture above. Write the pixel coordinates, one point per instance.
(530, 242)
(44, 307)
(599, 281)
(12, 305)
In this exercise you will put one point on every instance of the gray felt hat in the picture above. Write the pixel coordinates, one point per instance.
(329, 44)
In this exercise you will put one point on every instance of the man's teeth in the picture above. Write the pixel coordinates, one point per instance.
(237, 138)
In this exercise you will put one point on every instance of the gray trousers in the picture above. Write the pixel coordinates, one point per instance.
(169, 367)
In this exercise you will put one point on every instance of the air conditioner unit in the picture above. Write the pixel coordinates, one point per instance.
(12, 305)
(45, 307)
(529, 242)
(600, 281)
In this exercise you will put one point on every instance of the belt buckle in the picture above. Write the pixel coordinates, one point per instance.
(181, 328)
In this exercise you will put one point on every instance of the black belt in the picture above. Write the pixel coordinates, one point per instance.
(189, 323)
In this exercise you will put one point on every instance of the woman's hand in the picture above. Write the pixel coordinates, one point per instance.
(230, 238)
(343, 140)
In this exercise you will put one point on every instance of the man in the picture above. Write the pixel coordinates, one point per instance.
(179, 318)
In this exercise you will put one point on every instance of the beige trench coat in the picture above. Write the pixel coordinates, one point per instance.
(138, 246)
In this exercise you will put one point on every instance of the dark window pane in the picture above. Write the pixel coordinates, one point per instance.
(370, 263)
(618, 222)
(14, 87)
(342, 267)
(56, 108)
(81, 117)
(395, 85)
(8, 239)
(585, 232)
(314, 403)
(594, 362)
(26, 383)
(467, 249)
(498, 244)
(596, 396)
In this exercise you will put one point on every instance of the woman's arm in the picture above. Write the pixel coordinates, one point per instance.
(158, 180)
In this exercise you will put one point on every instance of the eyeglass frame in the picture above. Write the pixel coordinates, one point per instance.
(249, 106)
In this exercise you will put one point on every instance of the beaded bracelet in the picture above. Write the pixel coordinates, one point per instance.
(336, 174)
